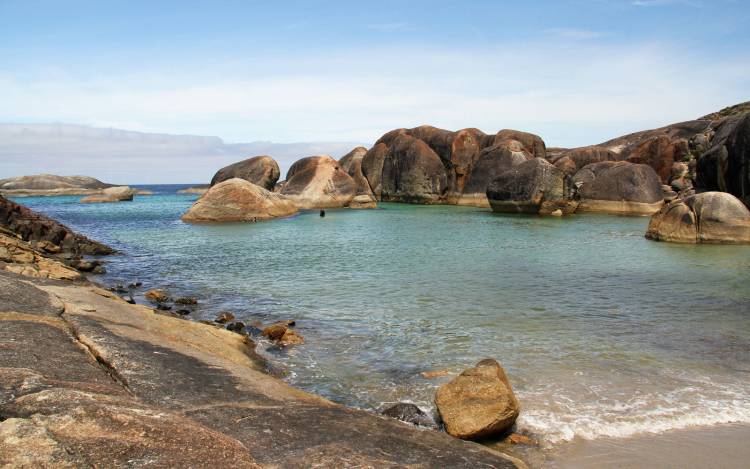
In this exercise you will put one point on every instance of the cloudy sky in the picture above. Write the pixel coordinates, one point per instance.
(575, 72)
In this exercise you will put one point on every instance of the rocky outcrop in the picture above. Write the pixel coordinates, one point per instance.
(88, 380)
(34, 227)
(110, 195)
(319, 182)
(50, 184)
(427, 165)
(478, 403)
(261, 170)
(726, 165)
(570, 161)
(238, 200)
(526, 187)
(708, 217)
(198, 190)
(351, 163)
(619, 187)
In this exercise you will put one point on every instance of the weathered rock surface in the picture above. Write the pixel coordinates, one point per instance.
(492, 162)
(570, 161)
(351, 163)
(319, 182)
(708, 217)
(117, 385)
(50, 184)
(525, 187)
(726, 165)
(199, 190)
(619, 187)
(32, 226)
(409, 413)
(261, 170)
(478, 403)
(111, 194)
(238, 200)
(412, 173)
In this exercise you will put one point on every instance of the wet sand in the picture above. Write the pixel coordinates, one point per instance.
(725, 446)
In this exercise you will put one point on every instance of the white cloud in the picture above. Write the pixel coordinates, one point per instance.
(573, 33)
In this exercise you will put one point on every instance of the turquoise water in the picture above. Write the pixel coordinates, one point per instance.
(602, 332)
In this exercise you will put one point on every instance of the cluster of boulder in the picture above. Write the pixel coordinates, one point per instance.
(94, 190)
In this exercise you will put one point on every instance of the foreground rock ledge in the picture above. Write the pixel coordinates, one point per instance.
(478, 403)
(89, 380)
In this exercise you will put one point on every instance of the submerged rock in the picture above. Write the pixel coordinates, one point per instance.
(157, 295)
(186, 300)
(261, 170)
(237, 200)
(410, 413)
(525, 187)
(224, 317)
(709, 217)
(282, 333)
(478, 403)
(237, 326)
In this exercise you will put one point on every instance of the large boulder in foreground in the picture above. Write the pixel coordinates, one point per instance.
(478, 403)
(110, 195)
(726, 165)
(319, 182)
(619, 187)
(708, 217)
(237, 200)
(526, 187)
(493, 161)
(261, 170)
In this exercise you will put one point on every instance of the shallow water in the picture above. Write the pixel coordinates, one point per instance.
(602, 332)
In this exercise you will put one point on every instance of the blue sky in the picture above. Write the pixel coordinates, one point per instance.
(575, 72)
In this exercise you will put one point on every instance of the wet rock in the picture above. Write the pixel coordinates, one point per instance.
(525, 187)
(237, 326)
(275, 331)
(135, 285)
(435, 374)
(282, 333)
(163, 307)
(48, 247)
(519, 439)
(118, 289)
(478, 403)
(157, 295)
(261, 170)
(237, 200)
(351, 163)
(183, 312)
(224, 317)
(412, 173)
(291, 337)
(84, 265)
(410, 413)
(186, 300)
(708, 217)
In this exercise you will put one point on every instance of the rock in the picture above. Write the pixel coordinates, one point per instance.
(237, 326)
(492, 162)
(199, 190)
(48, 246)
(679, 170)
(372, 167)
(708, 217)
(351, 163)
(726, 165)
(134, 285)
(363, 202)
(275, 331)
(84, 265)
(224, 317)
(163, 307)
(183, 312)
(409, 413)
(290, 337)
(556, 213)
(412, 173)
(478, 403)
(157, 296)
(32, 226)
(281, 333)
(319, 182)
(519, 439)
(435, 374)
(186, 300)
(111, 194)
(619, 187)
(570, 161)
(237, 200)
(51, 185)
(660, 153)
(262, 171)
(526, 186)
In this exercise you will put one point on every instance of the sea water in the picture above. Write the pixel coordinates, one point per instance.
(602, 332)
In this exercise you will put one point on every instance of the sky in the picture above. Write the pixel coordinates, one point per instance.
(326, 73)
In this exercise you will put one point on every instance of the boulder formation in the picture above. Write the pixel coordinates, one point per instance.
(351, 163)
(261, 170)
(478, 403)
(726, 165)
(708, 217)
(569, 161)
(110, 195)
(319, 182)
(428, 165)
(237, 200)
(529, 187)
(618, 187)
(51, 185)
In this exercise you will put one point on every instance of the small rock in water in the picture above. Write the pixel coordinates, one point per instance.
(281, 333)
(556, 213)
(224, 317)
(435, 374)
(519, 439)
(157, 296)
(275, 331)
(409, 413)
(118, 289)
(134, 285)
(237, 326)
(183, 312)
(129, 300)
(163, 307)
(187, 300)
(291, 338)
